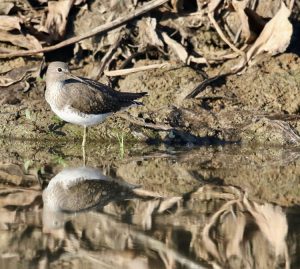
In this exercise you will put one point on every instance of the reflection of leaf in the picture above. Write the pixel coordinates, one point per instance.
(8, 23)
(272, 222)
(226, 234)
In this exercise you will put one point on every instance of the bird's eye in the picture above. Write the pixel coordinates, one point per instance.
(59, 69)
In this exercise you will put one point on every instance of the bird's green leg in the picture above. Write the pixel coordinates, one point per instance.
(83, 144)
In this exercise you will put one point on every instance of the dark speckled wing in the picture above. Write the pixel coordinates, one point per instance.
(88, 194)
(91, 97)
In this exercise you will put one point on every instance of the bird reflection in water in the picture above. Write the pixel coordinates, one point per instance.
(80, 189)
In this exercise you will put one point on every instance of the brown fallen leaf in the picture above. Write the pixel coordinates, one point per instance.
(147, 33)
(274, 38)
(8, 79)
(57, 17)
(6, 7)
(8, 23)
(23, 41)
(177, 5)
(240, 7)
(181, 52)
(176, 47)
(213, 5)
(79, 2)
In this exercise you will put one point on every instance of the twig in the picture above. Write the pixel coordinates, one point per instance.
(205, 83)
(126, 71)
(108, 55)
(291, 4)
(126, 63)
(224, 38)
(97, 30)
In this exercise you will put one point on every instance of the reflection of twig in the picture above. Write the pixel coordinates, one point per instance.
(160, 247)
(76, 247)
(153, 244)
(97, 30)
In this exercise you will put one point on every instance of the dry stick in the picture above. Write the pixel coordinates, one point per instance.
(224, 38)
(125, 63)
(108, 55)
(206, 82)
(201, 87)
(97, 30)
(126, 71)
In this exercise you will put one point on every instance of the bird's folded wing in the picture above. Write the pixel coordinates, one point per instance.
(88, 99)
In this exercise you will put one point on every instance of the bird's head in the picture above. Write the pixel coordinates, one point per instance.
(56, 71)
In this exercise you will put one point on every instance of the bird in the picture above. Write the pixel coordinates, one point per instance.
(79, 189)
(83, 101)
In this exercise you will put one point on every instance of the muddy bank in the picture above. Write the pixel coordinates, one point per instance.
(259, 106)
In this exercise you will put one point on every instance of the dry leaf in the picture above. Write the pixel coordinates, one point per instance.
(176, 47)
(276, 35)
(272, 222)
(23, 41)
(5, 7)
(147, 33)
(57, 18)
(8, 23)
(213, 5)
(240, 7)
(168, 203)
(177, 5)
(79, 2)
(6, 81)
(256, 22)
(274, 38)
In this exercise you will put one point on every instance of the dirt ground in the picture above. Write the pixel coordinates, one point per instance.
(260, 106)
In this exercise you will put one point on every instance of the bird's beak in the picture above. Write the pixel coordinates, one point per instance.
(70, 75)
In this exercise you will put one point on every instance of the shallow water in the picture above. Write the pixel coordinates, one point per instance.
(148, 207)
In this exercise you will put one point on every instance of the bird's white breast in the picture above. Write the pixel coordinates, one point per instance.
(70, 115)
(67, 113)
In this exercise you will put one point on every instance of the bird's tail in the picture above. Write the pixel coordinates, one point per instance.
(131, 97)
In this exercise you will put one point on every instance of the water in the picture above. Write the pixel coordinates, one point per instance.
(148, 207)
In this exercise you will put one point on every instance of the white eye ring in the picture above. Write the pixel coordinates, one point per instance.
(59, 69)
